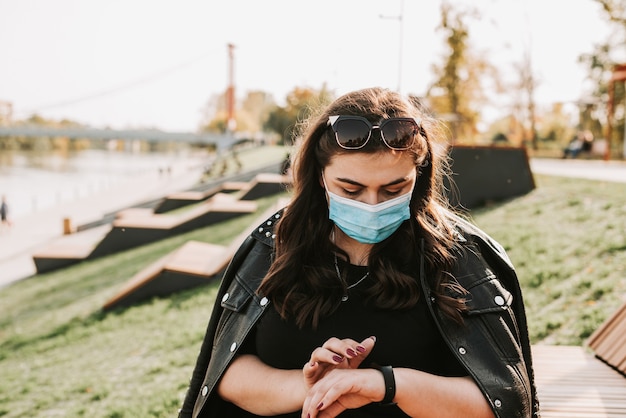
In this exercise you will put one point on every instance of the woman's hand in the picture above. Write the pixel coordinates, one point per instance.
(336, 354)
(418, 394)
(342, 389)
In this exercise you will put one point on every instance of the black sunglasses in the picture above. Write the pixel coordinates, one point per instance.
(353, 132)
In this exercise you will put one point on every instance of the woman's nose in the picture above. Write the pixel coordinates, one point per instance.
(371, 198)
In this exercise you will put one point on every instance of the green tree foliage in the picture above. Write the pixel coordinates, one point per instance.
(301, 102)
(458, 91)
(602, 59)
(526, 109)
(601, 62)
(250, 114)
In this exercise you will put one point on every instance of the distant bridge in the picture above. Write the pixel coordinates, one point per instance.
(221, 141)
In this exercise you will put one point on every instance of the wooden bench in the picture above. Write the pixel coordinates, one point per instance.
(265, 184)
(573, 383)
(218, 203)
(609, 341)
(194, 264)
(68, 249)
(189, 197)
(189, 266)
(585, 382)
(135, 228)
(130, 232)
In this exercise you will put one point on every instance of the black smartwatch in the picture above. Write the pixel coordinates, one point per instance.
(390, 384)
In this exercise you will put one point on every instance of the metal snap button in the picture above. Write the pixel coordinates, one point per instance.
(264, 301)
(205, 390)
(233, 347)
(462, 350)
(225, 297)
(499, 300)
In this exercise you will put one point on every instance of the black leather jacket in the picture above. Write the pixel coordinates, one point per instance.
(492, 343)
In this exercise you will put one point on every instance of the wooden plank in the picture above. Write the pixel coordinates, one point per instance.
(572, 383)
(199, 258)
(609, 340)
(218, 203)
(192, 264)
(74, 246)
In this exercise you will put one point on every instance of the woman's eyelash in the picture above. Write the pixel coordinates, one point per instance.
(357, 192)
(392, 193)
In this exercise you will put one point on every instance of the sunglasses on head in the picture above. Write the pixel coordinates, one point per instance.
(353, 132)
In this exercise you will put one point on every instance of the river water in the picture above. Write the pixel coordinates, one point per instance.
(34, 182)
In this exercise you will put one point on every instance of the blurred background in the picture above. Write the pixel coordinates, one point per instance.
(113, 89)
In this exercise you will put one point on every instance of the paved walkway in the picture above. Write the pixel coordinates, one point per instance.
(33, 232)
(590, 169)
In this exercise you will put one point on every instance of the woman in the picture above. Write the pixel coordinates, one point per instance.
(366, 297)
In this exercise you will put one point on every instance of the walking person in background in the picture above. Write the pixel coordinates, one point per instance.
(5, 222)
(367, 296)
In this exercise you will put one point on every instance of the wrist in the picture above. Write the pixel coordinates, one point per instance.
(390, 384)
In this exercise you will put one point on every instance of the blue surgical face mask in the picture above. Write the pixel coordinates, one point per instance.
(368, 224)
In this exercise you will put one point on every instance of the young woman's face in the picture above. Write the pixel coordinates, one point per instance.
(370, 178)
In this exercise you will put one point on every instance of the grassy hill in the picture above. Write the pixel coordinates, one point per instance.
(61, 356)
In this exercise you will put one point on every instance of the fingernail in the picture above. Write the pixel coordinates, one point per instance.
(373, 338)
(351, 352)
(320, 405)
(360, 349)
(337, 358)
(308, 415)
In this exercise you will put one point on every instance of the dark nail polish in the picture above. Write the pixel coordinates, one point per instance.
(351, 352)
(360, 349)
(320, 405)
(337, 358)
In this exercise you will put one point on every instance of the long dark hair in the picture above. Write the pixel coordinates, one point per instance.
(302, 282)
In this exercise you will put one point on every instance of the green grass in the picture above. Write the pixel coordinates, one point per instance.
(61, 356)
(567, 240)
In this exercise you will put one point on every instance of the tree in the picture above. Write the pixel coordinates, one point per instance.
(301, 103)
(459, 88)
(250, 116)
(255, 110)
(214, 114)
(526, 106)
(603, 59)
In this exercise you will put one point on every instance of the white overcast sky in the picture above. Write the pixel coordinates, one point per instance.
(155, 63)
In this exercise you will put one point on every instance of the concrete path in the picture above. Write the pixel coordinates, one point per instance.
(33, 232)
(589, 169)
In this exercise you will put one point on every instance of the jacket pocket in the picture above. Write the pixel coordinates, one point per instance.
(487, 295)
(489, 307)
(236, 297)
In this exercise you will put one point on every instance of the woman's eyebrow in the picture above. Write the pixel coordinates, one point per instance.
(356, 183)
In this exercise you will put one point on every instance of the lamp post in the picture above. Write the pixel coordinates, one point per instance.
(400, 19)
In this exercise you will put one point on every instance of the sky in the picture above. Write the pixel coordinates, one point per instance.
(136, 64)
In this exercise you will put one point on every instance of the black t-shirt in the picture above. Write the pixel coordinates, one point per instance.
(403, 339)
